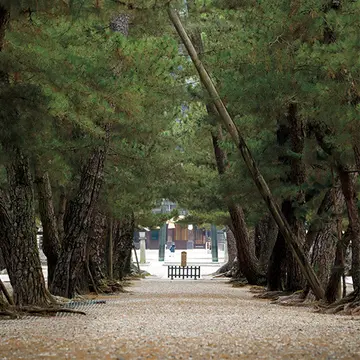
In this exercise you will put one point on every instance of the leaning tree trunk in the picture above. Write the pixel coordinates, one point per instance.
(323, 235)
(122, 246)
(18, 229)
(247, 261)
(70, 273)
(51, 243)
(263, 188)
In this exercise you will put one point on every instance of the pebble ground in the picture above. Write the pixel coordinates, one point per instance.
(163, 319)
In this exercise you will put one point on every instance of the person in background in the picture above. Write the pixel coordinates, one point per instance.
(172, 249)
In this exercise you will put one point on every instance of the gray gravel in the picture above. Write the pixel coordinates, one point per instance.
(162, 319)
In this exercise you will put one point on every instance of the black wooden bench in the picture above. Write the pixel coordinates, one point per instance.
(183, 272)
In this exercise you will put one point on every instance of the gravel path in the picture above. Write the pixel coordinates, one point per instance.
(162, 319)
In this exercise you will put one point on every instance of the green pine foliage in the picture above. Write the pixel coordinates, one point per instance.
(73, 82)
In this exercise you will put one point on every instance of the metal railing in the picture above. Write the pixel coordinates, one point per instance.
(184, 272)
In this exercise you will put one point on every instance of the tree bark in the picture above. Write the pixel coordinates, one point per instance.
(110, 248)
(17, 217)
(18, 229)
(266, 232)
(348, 187)
(276, 269)
(297, 177)
(231, 246)
(350, 194)
(96, 247)
(123, 245)
(71, 267)
(248, 263)
(258, 179)
(323, 235)
(51, 243)
(2, 262)
(4, 19)
(61, 213)
(293, 131)
(338, 269)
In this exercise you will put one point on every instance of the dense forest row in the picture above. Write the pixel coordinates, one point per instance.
(103, 113)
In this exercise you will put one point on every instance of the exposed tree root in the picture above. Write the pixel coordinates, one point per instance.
(111, 286)
(227, 268)
(13, 312)
(219, 275)
(48, 311)
(271, 295)
(298, 298)
(257, 289)
(238, 282)
(4, 313)
(349, 305)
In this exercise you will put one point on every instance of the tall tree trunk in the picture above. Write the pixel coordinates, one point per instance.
(248, 263)
(96, 248)
(350, 194)
(110, 248)
(2, 261)
(17, 218)
(266, 232)
(338, 269)
(51, 243)
(297, 177)
(71, 267)
(123, 245)
(323, 235)
(61, 213)
(18, 229)
(322, 131)
(292, 131)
